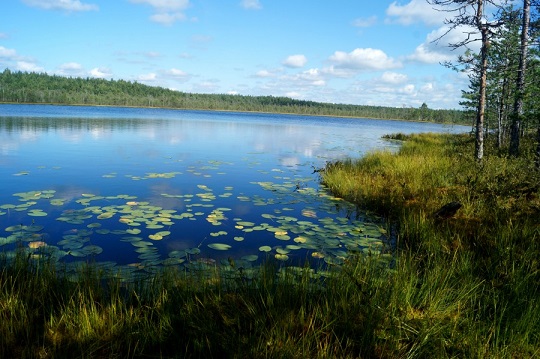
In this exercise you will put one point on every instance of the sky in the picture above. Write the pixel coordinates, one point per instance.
(362, 52)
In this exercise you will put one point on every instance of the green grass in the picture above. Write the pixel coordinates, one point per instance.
(464, 287)
(474, 277)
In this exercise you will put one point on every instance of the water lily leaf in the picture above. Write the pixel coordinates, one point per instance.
(250, 258)
(33, 228)
(300, 239)
(57, 202)
(219, 246)
(177, 254)
(93, 249)
(281, 257)
(239, 239)
(105, 215)
(193, 251)
(36, 213)
(76, 253)
(140, 243)
(265, 248)
(155, 237)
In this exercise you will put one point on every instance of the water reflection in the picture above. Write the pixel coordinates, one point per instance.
(210, 180)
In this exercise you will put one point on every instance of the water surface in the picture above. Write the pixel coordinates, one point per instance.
(143, 188)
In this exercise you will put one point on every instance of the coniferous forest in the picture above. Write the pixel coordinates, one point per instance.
(41, 88)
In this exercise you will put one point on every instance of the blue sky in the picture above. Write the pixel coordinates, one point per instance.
(365, 52)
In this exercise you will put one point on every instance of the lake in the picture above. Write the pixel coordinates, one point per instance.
(138, 189)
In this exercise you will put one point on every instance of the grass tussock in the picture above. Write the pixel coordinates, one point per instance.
(461, 287)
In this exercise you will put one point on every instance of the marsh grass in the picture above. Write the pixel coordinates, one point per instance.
(463, 287)
(470, 284)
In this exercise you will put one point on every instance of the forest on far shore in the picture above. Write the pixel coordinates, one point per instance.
(41, 88)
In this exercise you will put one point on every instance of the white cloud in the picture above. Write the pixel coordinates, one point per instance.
(427, 88)
(364, 59)
(313, 77)
(7, 53)
(294, 94)
(177, 75)
(168, 18)
(166, 11)
(251, 4)
(393, 77)
(436, 49)
(407, 89)
(68, 5)
(100, 73)
(264, 73)
(150, 77)
(28, 67)
(415, 11)
(295, 61)
(71, 69)
(425, 55)
(365, 22)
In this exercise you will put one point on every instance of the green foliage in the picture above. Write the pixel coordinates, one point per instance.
(24, 87)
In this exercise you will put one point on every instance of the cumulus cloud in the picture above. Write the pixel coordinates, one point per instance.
(177, 75)
(364, 59)
(71, 69)
(100, 73)
(436, 49)
(413, 12)
(150, 77)
(393, 77)
(424, 54)
(312, 77)
(68, 5)
(295, 61)
(365, 22)
(28, 67)
(264, 73)
(251, 4)
(7, 53)
(166, 12)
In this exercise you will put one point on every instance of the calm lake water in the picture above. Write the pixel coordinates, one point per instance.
(137, 189)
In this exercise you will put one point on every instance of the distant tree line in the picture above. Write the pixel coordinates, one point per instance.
(31, 87)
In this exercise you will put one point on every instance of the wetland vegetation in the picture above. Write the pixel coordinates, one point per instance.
(464, 286)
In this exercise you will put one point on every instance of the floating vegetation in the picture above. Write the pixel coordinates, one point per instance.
(300, 218)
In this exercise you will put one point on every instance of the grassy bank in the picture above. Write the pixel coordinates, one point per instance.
(465, 286)
(469, 283)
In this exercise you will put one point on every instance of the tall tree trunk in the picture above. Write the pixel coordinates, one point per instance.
(480, 114)
(515, 131)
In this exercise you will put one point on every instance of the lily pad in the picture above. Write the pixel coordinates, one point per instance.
(281, 257)
(219, 246)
